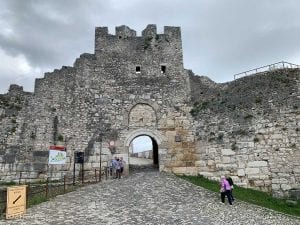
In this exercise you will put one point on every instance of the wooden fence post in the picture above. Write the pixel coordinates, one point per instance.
(27, 195)
(20, 177)
(47, 187)
(82, 173)
(64, 184)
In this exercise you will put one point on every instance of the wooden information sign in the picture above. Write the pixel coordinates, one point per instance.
(16, 201)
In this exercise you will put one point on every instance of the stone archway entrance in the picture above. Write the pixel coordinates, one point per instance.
(143, 150)
(155, 139)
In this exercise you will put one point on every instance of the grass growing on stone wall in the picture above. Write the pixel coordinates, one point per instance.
(248, 195)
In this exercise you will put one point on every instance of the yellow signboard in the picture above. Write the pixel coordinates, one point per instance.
(16, 201)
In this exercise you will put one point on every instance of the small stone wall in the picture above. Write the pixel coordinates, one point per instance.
(145, 154)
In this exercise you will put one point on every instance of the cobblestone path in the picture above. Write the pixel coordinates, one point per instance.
(147, 197)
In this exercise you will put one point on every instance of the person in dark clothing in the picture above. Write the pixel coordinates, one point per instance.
(230, 181)
(118, 169)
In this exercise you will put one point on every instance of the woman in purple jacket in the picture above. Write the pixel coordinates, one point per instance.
(225, 190)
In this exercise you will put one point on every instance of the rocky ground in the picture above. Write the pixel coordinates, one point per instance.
(147, 197)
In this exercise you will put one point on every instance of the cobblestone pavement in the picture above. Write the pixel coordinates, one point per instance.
(147, 197)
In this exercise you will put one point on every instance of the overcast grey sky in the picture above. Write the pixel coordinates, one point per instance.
(141, 144)
(220, 37)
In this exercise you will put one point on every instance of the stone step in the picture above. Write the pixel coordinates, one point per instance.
(140, 168)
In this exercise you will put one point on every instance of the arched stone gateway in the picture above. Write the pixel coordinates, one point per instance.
(170, 133)
(155, 141)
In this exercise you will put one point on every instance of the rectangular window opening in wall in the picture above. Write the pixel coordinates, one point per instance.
(163, 69)
(138, 69)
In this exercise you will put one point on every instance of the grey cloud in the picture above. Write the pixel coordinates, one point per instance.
(220, 38)
(42, 39)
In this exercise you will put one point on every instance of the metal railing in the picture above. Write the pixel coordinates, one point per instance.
(274, 66)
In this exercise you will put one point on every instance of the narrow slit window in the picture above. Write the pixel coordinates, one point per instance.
(163, 69)
(137, 69)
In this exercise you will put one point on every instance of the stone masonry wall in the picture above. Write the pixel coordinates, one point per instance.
(97, 102)
(249, 129)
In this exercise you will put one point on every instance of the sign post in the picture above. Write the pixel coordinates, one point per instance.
(100, 162)
(78, 158)
(16, 201)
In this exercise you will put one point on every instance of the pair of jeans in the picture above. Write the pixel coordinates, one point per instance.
(226, 193)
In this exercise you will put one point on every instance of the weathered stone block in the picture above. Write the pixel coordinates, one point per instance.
(226, 159)
(257, 164)
(253, 176)
(185, 170)
(259, 183)
(241, 172)
(227, 152)
(285, 187)
(206, 174)
(263, 177)
(192, 171)
(210, 162)
(226, 166)
(276, 136)
(200, 163)
(250, 171)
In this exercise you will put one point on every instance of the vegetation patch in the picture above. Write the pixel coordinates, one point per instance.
(258, 99)
(248, 195)
(199, 107)
(37, 199)
(220, 136)
(256, 139)
(147, 42)
(60, 138)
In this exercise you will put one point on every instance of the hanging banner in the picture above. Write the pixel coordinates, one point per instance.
(57, 155)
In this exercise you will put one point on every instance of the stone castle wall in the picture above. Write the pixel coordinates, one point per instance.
(137, 85)
(99, 100)
(249, 129)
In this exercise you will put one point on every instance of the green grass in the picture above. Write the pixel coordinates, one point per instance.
(9, 183)
(36, 199)
(41, 197)
(248, 195)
